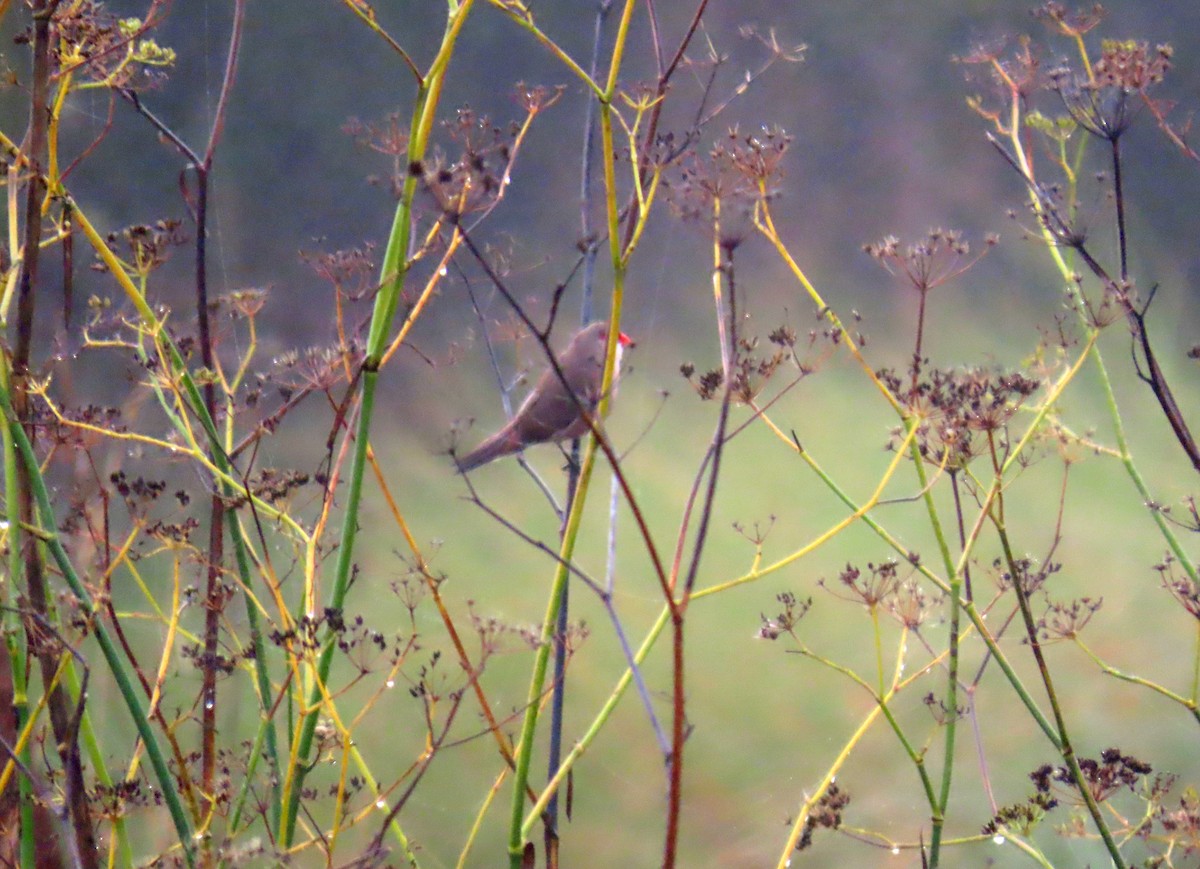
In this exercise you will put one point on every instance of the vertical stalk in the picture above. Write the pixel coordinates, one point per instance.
(541, 659)
(36, 587)
(112, 658)
(1119, 195)
(1066, 747)
(213, 596)
(955, 583)
(559, 687)
(394, 271)
(554, 750)
(14, 639)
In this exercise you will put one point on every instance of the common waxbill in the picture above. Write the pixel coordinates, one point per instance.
(549, 413)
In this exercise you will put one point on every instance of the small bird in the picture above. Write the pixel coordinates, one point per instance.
(549, 413)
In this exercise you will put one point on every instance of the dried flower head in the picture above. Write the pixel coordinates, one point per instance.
(751, 369)
(961, 413)
(112, 52)
(1103, 777)
(1182, 825)
(1065, 621)
(877, 586)
(1073, 22)
(728, 184)
(827, 813)
(148, 245)
(351, 271)
(910, 605)
(1021, 818)
(1031, 573)
(1180, 585)
(940, 256)
(786, 620)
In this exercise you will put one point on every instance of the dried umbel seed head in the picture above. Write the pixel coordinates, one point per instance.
(954, 407)
(940, 256)
(1103, 777)
(147, 245)
(784, 622)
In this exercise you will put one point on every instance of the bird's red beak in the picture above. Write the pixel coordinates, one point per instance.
(625, 340)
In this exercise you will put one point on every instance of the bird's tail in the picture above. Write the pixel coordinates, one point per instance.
(502, 443)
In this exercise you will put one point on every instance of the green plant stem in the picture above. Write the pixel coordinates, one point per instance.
(316, 693)
(1139, 483)
(917, 757)
(523, 759)
(516, 836)
(262, 678)
(602, 717)
(87, 736)
(111, 656)
(1066, 748)
(524, 748)
(883, 699)
(239, 802)
(1188, 703)
(15, 639)
(20, 719)
(394, 270)
(955, 588)
(262, 674)
(1067, 272)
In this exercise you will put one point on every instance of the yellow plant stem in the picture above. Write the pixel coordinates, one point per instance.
(807, 806)
(881, 703)
(27, 731)
(477, 824)
(581, 746)
(430, 288)
(168, 643)
(350, 747)
(1188, 703)
(766, 225)
(821, 539)
(520, 14)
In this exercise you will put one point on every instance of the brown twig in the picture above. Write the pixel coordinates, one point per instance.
(715, 452)
(1065, 234)
(601, 439)
(214, 597)
(37, 590)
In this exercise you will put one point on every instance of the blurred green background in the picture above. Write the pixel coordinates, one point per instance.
(884, 144)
